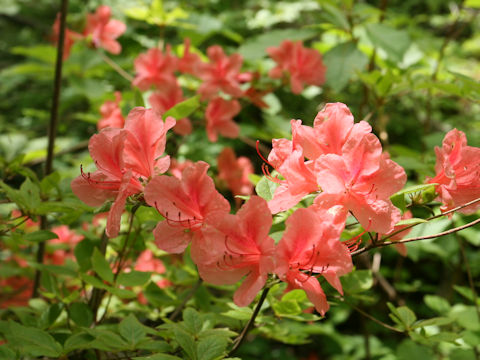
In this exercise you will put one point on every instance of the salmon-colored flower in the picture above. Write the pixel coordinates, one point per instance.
(104, 31)
(235, 171)
(309, 248)
(457, 172)
(147, 261)
(177, 167)
(240, 248)
(111, 114)
(303, 65)
(221, 74)
(164, 100)
(188, 204)
(362, 180)
(126, 159)
(155, 68)
(190, 63)
(70, 37)
(219, 115)
(401, 248)
(63, 245)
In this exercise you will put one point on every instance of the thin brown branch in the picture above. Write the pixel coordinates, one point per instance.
(52, 132)
(238, 341)
(418, 238)
(370, 317)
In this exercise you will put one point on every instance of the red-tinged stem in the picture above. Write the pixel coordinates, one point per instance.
(238, 341)
(432, 218)
(52, 131)
(426, 237)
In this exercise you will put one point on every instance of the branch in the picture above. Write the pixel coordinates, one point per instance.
(426, 237)
(238, 341)
(116, 67)
(52, 131)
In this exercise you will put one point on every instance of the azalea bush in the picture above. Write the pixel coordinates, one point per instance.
(274, 180)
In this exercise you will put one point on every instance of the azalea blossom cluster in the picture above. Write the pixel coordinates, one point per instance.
(100, 32)
(222, 85)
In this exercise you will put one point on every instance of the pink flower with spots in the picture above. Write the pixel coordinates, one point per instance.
(220, 74)
(154, 68)
(188, 205)
(310, 248)
(241, 248)
(104, 31)
(457, 172)
(219, 115)
(303, 65)
(111, 114)
(126, 159)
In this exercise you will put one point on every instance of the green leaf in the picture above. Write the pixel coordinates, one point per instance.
(81, 314)
(131, 330)
(49, 182)
(357, 281)
(133, 278)
(45, 53)
(402, 315)
(192, 320)
(186, 341)
(107, 340)
(83, 253)
(40, 236)
(31, 193)
(212, 347)
(472, 4)
(183, 109)
(157, 357)
(266, 188)
(437, 303)
(394, 42)
(436, 321)
(287, 307)
(77, 341)
(101, 266)
(342, 62)
(32, 341)
(412, 221)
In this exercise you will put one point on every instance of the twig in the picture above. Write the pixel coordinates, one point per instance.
(52, 131)
(180, 307)
(432, 218)
(238, 341)
(426, 237)
(379, 322)
(116, 67)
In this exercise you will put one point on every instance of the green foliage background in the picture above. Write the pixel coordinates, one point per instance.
(411, 68)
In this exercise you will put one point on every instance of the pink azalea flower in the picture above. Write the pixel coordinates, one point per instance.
(332, 127)
(64, 245)
(219, 115)
(235, 171)
(190, 63)
(240, 248)
(146, 261)
(155, 68)
(126, 159)
(111, 114)
(221, 74)
(177, 167)
(103, 31)
(304, 65)
(16, 290)
(457, 172)
(306, 252)
(70, 37)
(162, 101)
(362, 180)
(188, 205)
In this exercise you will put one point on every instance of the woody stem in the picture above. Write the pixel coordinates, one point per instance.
(52, 131)
(238, 341)
(426, 237)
